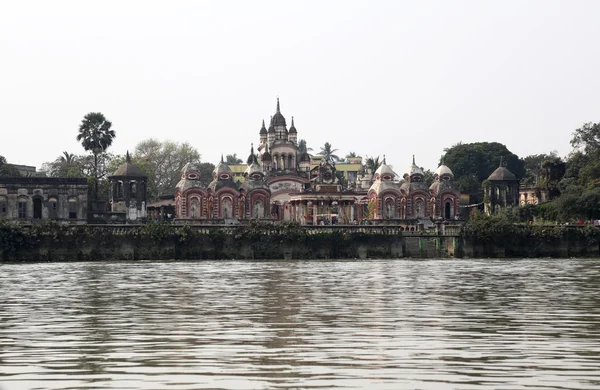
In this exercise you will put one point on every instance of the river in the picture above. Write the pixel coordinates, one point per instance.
(389, 324)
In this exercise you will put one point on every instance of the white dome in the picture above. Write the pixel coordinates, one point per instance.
(443, 170)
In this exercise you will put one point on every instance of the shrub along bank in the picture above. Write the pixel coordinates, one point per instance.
(49, 242)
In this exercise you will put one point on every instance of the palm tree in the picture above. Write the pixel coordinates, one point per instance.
(233, 159)
(371, 164)
(352, 155)
(328, 152)
(96, 136)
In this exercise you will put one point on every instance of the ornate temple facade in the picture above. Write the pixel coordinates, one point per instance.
(279, 184)
(409, 197)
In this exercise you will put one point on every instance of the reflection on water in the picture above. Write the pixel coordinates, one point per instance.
(435, 324)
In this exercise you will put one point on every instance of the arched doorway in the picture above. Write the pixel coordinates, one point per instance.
(37, 207)
(448, 210)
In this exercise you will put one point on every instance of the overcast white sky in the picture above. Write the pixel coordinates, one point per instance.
(375, 77)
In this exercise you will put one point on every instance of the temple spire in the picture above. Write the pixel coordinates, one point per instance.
(442, 158)
(252, 149)
(127, 158)
(413, 159)
(292, 121)
(278, 110)
(222, 158)
(384, 159)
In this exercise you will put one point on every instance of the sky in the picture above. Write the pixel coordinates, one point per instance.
(392, 78)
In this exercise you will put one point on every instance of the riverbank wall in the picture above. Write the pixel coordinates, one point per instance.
(184, 242)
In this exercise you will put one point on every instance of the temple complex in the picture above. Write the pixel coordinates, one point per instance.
(281, 184)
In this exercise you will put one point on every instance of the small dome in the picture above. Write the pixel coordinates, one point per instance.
(128, 169)
(502, 174)
(278, 119)
(384, 170)
(271, 129)
(266, 156)
(263, 129)
(252, 169)
(221, 168)
(414, 169)
(305, 157)
(443, 170)
(293, 128)
(189, 168)
(252, 157)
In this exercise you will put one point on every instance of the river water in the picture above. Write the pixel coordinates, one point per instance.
(390, 324)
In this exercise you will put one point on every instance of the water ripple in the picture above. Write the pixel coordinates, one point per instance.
(436, 324)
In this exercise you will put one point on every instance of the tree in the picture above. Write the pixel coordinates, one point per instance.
(473, 163)
(587, 139)
(352, 155)
(371, 164)
(162, 162)
(66, 165)
(95, 135)
(327, 152)
(233, 159)
(302, 148)
(8, 170)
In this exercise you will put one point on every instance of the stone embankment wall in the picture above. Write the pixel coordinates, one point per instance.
(158, 241)
(70, 243)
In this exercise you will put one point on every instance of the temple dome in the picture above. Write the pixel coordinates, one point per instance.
(221, 168)
(278, 119)
(502, 174)
(263, 129)
(293, 128)
(305, 157)
(128, 169)
(443, 170)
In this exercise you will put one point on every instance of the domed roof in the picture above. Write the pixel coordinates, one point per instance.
(263, 129)
(189, 168)
(414, 169)
(252, 157)
(221, 167)
(385, 169)
(278, 119)
(305, 157)
(502, 174)
(266, 156)
(128, 169)
(293, 128)
(271, 128)
(253, 168)
(443, 170)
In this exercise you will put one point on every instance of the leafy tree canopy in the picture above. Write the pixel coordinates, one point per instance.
(162, 162)
(233, 159)
(474, 162)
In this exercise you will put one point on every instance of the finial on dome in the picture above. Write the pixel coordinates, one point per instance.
(222, 158)
(252, 148)
(384, 159)
(278, 110)
(500, 161)
(292, 121)
(442, 158)
(127, 158)
(263, 123)
(413, 159)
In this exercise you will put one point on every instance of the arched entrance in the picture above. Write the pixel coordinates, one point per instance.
(37, 207)
(448, 210)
